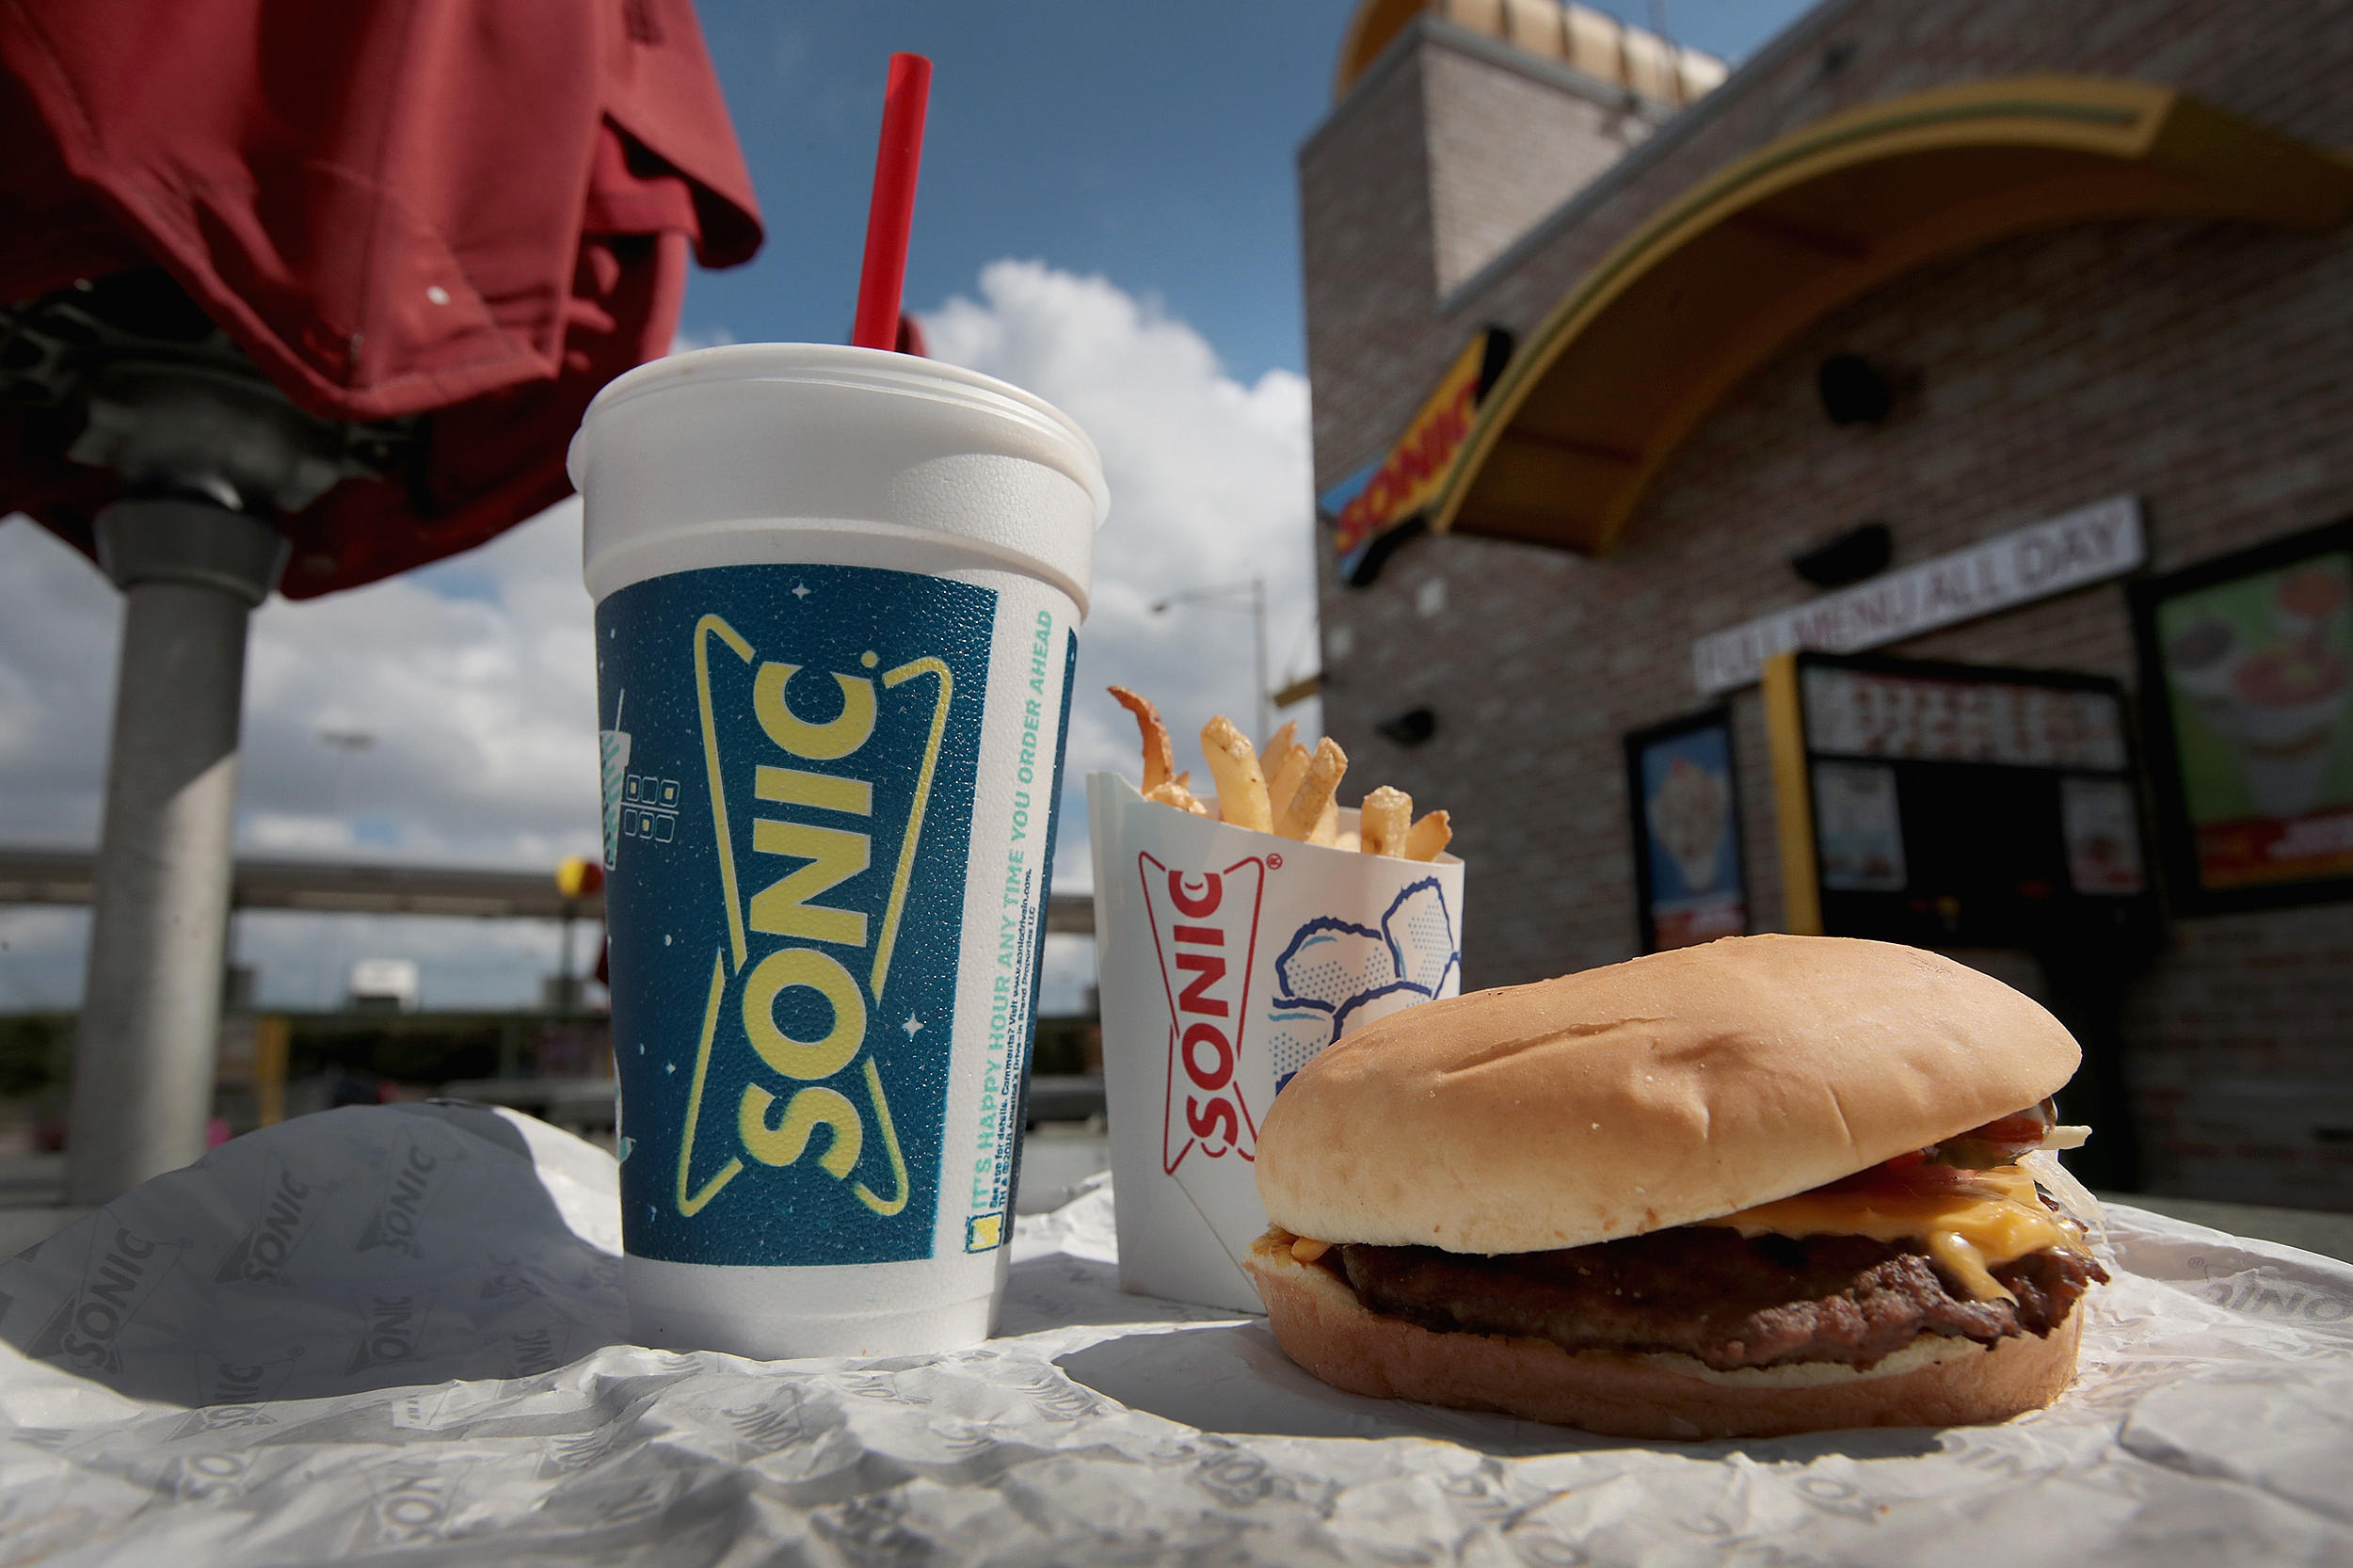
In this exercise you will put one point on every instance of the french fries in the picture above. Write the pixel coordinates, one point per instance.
(1287, 789)
(1290, 765)
(1242, 797)
(1315, 792)
(1427, 839)
(1175, 793)
(1160, 752)
(1285, 736)
(1384, 819)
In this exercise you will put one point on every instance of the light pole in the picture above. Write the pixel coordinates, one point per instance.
(347, 745)
(1256, 590)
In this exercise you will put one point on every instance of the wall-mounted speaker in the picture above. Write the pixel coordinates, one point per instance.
(1411, 727)
(1855, 391)
(1858, 552)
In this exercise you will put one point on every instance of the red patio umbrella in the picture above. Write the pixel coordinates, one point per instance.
(304, 295)
(478, 212)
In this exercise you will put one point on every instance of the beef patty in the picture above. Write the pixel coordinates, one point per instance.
(1710, 1293)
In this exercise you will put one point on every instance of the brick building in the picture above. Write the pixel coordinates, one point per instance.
(2146, 292)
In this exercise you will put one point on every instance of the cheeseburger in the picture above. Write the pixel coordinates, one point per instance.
(1773, 1184)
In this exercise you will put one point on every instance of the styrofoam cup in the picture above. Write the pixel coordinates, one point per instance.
(837, 593)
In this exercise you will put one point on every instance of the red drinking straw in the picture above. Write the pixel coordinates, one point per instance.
(893, 211)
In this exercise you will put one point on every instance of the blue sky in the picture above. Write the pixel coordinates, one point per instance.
(1151, 145)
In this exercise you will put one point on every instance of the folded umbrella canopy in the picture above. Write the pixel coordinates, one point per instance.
(451, 221)
(302, 296)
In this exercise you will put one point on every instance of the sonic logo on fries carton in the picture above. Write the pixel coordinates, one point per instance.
(1205, 928)
(1239, 932)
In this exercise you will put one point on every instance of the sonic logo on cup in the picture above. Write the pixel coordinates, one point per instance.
(794, 935)
(791, 968)
(1205, 925)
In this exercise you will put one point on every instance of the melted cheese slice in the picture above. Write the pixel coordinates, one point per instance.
(1971, 1234)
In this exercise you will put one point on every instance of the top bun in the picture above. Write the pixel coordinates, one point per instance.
(1656, 1093)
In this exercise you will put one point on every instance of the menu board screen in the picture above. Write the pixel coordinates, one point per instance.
(1865, 713)
(1970, 804)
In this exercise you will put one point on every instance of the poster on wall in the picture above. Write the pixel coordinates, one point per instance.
(2245, 664)
(1690, 884)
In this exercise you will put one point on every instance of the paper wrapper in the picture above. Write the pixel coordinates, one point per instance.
(1227, 959)
(307, 1350)
(297, 1351)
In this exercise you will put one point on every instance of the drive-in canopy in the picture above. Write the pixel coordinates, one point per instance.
(1714, 282)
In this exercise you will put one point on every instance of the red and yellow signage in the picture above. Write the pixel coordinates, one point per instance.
(1382, 504)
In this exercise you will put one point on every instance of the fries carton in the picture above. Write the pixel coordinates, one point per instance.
(1227, 959)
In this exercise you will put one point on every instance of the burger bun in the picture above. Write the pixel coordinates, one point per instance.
(1668, 1090)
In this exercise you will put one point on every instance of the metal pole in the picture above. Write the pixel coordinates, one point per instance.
(1256, 587)
(334, 987)
(564, 990)
(1258, 611)
(143, 1065)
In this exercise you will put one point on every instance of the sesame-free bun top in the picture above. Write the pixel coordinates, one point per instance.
(1657, 1092)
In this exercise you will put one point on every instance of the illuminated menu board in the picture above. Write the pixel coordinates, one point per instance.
(1962, 805)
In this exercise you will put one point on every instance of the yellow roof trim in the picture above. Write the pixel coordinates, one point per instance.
(1633, 357)
(1370, 30)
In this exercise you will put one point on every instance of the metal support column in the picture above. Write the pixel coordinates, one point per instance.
(191, 572)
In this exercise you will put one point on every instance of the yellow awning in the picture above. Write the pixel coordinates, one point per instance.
(1635, 356)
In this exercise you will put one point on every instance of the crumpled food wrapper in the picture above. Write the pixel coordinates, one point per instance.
(389, 1334)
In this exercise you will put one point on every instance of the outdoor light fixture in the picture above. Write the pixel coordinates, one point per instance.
(1255, 590)
(1411, 727)
(1855, 391)
(1861, 552)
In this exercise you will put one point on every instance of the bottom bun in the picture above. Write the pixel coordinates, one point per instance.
(1937, 1382)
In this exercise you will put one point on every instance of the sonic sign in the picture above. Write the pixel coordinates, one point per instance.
(1382, 504)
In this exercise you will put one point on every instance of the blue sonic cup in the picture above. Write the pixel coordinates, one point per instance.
(837, 596)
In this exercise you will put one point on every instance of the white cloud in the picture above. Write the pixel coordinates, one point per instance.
(475, 678)
(41, 950)
(683, 342)
(472, 681)
(1211, 486)
(60, 625)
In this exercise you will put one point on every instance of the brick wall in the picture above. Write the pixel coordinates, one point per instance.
(1508, 142)
(1367, 254)
(1448, 150)
(2199, 366)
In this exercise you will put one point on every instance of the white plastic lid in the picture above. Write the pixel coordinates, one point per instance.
(808, 451)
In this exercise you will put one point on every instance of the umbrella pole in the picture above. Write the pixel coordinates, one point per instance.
(191, 573)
